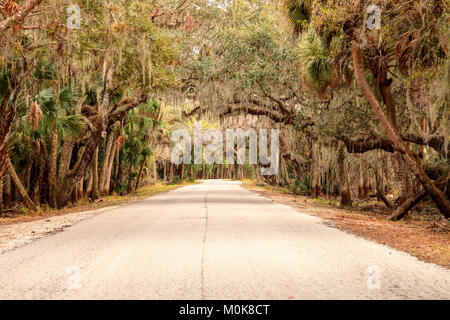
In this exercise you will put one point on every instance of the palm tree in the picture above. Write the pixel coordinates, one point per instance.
(136, 134)
(315, 61)
(146, 153)
(298, 13)
(58, 124)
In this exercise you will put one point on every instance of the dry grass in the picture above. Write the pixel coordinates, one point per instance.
(427, 239)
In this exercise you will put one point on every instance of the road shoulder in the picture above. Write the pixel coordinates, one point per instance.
(425, 240)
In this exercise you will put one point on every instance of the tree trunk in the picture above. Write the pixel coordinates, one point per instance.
(165, 171)
(109, 172)
(182, 172)
(81, 189)
(89, 184)
(380, 190)
(315, 183)
(105, 164)
(1, 193)
(15, 179)
(171, 173)
(38, 192)
(437, 195)
(361, 179)
(401, 211)
(344, 185)
(130, 180)
(52, 170)
(140, 173)
(64, 161)
(400, 177)
(100, 123)
(7, 189)
(95, 193)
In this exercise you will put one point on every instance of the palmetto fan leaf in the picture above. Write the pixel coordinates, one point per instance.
(70, 126)
(315, 61)
(67, 97)
(47, 102)
(298, 13)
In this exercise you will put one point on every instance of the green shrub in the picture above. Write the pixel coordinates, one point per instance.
(302, 187)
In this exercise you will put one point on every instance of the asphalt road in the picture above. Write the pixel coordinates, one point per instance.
(213, 240)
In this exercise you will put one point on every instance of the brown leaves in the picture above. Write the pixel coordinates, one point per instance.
(9, 9)
(404, 49)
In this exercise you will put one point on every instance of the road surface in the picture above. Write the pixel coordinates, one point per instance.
(213, 240)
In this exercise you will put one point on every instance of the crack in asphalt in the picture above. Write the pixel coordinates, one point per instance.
(202, 279)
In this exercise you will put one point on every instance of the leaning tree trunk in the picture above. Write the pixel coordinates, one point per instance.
(52, 170)
(401, 211)
(437, 195)
(7, 190)
(20, 188)
(141, 170)
(99, 124)
(384, 85)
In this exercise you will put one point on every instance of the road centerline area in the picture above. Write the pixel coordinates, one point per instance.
(241, 245)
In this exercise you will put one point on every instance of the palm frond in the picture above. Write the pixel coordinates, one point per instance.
(315, 61)
(70, 126)
(298, 13)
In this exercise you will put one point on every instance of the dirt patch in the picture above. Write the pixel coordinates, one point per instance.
(428, 240)
(18, 234)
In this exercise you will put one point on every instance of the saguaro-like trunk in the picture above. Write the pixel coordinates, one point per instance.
(15, 179)
(437, 195)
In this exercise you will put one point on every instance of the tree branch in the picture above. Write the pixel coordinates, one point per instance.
(20, 15)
